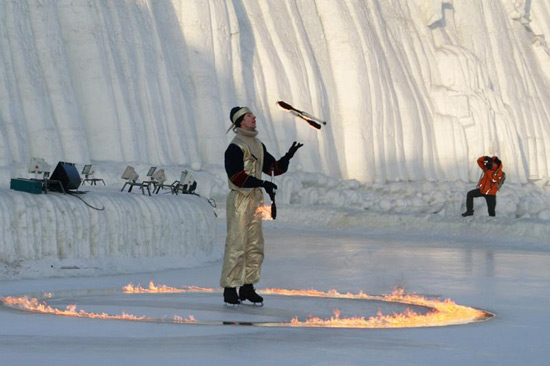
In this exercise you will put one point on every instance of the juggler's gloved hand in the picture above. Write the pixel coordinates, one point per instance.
(295, 146)
(269, 187)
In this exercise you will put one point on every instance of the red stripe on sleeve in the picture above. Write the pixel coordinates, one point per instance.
(239, 179)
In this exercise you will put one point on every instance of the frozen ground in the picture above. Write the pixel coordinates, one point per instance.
(510, 279)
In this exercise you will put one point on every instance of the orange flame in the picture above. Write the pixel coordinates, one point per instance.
(180, 320)
(154, 289)
(264, 212)
(34, 305)
(441, 313)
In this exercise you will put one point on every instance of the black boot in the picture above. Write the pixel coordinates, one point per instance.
(230, 296)
(468, 213)
(247, 292)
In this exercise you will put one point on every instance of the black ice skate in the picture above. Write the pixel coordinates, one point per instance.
(230, 296)
(468, 213)
(247, 292)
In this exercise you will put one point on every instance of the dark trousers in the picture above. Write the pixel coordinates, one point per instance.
(491, 201)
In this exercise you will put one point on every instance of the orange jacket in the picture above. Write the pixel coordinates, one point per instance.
(488, 183)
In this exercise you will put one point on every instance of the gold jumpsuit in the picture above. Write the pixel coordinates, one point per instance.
(244, 245)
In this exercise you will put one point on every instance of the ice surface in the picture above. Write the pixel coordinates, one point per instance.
(414, 92)
(511, 282)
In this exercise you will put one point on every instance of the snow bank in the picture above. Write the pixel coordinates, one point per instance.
(54, 234)
(313, 199)
(442, 198)
(42, 235)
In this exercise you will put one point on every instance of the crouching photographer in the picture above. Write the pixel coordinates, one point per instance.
(489, 183)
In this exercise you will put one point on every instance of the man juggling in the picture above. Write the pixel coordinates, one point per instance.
(246, 158)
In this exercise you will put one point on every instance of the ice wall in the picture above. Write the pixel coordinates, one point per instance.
(414, 90)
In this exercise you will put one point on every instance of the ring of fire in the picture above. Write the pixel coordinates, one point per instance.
(440, 312)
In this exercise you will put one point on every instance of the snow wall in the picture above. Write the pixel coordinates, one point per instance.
(413, 90)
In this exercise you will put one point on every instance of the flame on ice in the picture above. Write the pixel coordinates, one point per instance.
(36, 306)
(181, 320)
(153, 289)
(265, 212)
(440, 313)
(443, 313)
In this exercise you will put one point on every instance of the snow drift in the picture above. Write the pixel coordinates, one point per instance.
(108, 232)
